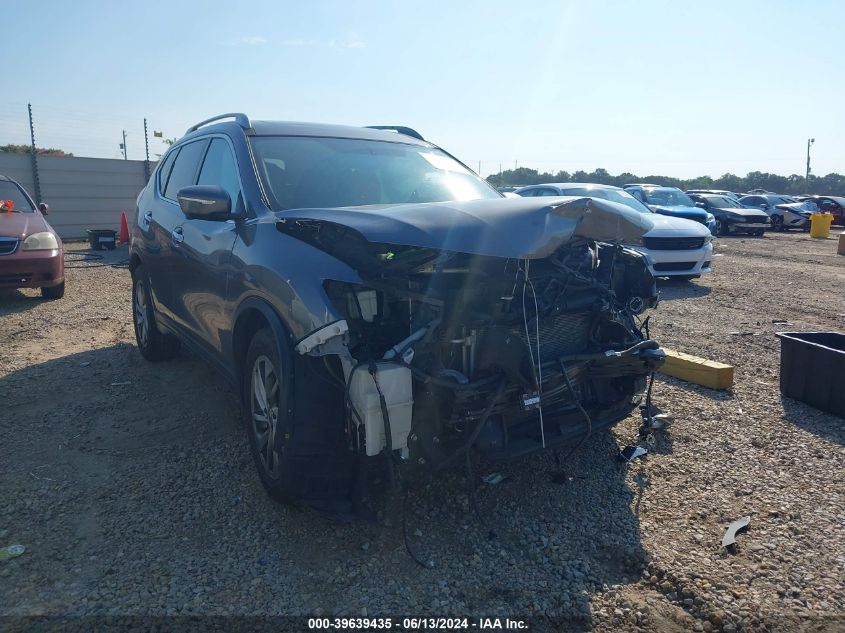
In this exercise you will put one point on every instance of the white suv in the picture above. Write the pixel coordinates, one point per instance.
(676, 247)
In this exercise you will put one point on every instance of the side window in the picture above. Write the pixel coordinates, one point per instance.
(184, 170)
(164, 172)
(754, 201)
(638, 195)
(528, 194)
(219, 168)
(548, 192)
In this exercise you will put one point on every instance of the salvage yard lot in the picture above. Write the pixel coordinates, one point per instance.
(132, 487)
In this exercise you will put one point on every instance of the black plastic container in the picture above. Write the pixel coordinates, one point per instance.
(812, 369)
(100, 239)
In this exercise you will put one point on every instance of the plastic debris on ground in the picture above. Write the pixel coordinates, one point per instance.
(12, 551)
(630, 453)
(738, 526)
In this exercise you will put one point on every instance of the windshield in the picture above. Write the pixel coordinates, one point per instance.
(309, 172)
(723, 202)
(668, 197)
(10, 191)
(622, 197)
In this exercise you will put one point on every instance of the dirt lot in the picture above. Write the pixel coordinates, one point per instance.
(132, 488)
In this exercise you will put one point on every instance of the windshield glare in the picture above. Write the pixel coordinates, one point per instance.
(314, 172)
(622, 197)
(10, 191)
(668, 197)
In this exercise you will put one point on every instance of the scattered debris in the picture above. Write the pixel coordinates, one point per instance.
(120, 384)
(781, 321)
(493, 478)
(729, 539)
(12, 551)
(630, 453)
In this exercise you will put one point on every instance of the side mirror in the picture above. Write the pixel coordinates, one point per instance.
(45, 210)
(205, 202)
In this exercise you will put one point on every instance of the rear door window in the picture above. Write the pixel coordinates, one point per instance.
(184, 171)
(164, 172)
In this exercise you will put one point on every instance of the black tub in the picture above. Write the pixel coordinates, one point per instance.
(102, 238)
(812, 369)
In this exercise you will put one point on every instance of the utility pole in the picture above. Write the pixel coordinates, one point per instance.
(146, 151)
(123, 145)
(810, 141)
(33, 158)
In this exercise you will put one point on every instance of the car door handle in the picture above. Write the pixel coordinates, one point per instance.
(177, 235)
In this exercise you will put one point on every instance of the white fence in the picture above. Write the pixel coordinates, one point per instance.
(83, 193)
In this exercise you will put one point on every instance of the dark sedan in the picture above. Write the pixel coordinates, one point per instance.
(731, 216)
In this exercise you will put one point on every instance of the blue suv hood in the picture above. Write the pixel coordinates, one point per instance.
(690, 213)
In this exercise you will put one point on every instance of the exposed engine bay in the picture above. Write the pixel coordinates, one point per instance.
(442, 352)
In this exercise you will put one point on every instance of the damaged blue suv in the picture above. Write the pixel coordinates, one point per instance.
(374, 301)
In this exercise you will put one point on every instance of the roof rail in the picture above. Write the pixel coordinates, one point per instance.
(401, 129)
(240, 118)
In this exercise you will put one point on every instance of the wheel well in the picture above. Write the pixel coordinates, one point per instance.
(248, 323)
(134, 262)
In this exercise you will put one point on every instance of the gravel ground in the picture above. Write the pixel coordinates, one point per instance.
(133, 490)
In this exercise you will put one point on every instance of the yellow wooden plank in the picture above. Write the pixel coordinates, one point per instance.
(700, 371)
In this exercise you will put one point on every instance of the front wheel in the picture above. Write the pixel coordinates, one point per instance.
(153, 345)
(721, 228)
(777, 223)
(53, 292)
(265, 414)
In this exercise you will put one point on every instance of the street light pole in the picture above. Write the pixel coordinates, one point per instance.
(810, 141)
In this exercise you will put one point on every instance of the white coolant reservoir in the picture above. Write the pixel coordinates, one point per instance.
(396, 385)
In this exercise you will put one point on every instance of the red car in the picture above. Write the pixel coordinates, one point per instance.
(31, 253)
(835, 205)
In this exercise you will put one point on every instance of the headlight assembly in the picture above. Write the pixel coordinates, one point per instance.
(44, 241)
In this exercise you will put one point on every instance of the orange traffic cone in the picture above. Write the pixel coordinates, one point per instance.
(124, 229)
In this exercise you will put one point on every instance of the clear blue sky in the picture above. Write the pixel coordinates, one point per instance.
(675, 88)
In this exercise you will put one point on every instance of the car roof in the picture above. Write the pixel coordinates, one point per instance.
(296, 128)
(6, 178)
(571, 185)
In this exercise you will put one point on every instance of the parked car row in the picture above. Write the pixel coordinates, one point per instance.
(675, 246)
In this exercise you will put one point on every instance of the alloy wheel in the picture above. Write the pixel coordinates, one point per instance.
(142, 324)
(265, 413)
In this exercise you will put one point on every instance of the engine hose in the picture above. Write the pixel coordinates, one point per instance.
(647, 344)
(388, 435)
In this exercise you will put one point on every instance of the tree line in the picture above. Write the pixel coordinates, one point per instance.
(832, 184)
(11, 148)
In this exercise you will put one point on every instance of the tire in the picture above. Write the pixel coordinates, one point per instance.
(758, 233)
(265, 415)
(777, 223)
(53, 292)
(721, 228)
(153, 345)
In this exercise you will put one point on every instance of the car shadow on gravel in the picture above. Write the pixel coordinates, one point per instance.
(825, 425)
(14, 301)
(134, 491)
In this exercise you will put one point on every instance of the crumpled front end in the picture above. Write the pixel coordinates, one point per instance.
(443, 351)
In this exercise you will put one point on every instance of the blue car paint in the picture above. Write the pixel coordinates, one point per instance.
(689, 213)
